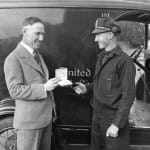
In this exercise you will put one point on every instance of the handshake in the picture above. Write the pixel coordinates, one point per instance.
(52, 83)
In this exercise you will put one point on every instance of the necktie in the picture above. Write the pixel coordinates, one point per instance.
(36, 56)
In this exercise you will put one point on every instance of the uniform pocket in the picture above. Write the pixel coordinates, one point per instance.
(107, 85)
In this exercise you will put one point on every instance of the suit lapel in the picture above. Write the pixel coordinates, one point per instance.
(29, 59)
(45, 70)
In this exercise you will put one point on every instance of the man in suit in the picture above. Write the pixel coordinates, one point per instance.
(113, 89)
(28, 83)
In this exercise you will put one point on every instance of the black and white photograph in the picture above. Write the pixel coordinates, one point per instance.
(74, 74)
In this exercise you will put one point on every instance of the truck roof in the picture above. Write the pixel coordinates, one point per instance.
(126, 4)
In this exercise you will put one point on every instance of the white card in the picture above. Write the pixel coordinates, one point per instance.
(62, 73)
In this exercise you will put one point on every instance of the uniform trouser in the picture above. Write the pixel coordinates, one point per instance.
(34, 139)
(99, 141)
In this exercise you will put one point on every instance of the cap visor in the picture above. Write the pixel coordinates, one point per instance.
(99, 31)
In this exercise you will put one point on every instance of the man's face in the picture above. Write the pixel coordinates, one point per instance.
(103, 40)
(33, 35)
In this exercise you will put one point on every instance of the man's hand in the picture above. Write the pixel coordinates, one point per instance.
(80, 88)
(51, 84)
(112, 131)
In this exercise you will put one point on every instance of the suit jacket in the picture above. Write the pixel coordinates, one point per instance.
(25, 81)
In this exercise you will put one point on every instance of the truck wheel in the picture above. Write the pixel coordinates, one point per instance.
(7, 134)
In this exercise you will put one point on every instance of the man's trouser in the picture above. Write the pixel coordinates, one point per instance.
(99, 141)
(34, 139)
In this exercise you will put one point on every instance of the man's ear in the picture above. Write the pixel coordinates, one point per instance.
(111, 35)
(24, 29)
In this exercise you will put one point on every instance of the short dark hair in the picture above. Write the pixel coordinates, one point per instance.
(32, 20)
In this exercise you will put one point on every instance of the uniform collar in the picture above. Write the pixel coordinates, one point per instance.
(116, 51)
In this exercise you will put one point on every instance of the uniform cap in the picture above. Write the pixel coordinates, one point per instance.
(103, 25)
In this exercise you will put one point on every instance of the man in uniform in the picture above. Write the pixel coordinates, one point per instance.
(113, 90)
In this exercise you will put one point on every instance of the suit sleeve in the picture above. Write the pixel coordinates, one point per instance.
(15, 82)
(127, 71)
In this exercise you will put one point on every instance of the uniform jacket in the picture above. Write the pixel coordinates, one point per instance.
(114, 86)
(25, 81)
